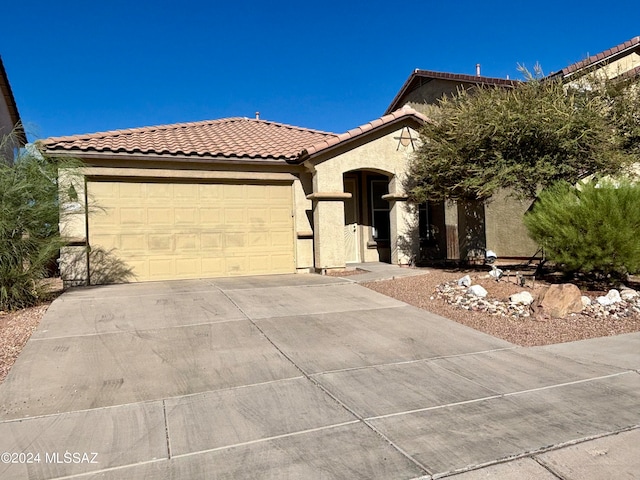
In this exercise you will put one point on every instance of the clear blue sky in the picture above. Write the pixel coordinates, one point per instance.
(85, 66)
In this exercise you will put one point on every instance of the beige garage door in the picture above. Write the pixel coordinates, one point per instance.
(184, 230)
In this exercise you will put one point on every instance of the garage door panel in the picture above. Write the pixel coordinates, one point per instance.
(213, 266)
(234, 192)
(237, 265)
(159, 217)
(187, 242)
(161, 268)
(133, 191)
(259, 239)
(210, 216)
(164, 230)
(160, 243)
(106, 242)
(133, 216)
(210, 192)
(210, 241)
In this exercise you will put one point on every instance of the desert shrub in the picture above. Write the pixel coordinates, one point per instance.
(593, 229)
(29, 238)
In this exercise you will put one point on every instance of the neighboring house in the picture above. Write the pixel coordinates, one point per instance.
(456, 230)
(241, 196)
(236, 196)
(9, 118)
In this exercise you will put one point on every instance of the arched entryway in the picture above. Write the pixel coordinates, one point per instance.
(367, 224)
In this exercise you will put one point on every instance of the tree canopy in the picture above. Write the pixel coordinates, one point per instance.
(524, 138)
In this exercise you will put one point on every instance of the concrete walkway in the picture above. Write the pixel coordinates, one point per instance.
(305, 376)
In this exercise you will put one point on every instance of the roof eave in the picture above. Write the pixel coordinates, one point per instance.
(305, 155)
(460, 78)
(579, 68)
(167, 158)
(7, 93)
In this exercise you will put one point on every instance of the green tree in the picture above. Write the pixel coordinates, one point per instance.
(29, 238)
(523, 139)
(593, 229)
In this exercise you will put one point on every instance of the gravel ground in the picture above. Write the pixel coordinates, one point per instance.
(421, 291)
(15, 330)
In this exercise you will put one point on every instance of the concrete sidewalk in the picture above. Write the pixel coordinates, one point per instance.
(305, 376)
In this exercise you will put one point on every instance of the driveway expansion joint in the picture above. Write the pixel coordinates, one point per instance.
(331, 395)
(166, 428)
(547, 467)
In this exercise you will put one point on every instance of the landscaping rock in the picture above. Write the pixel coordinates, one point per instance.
(465, 281)
(477, 291)
(628, 294)
(613, 296)
(558, 301)
(496, 273)
(521, 298)
(586, 301)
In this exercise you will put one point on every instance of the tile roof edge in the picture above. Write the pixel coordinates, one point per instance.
(373, 125)
(598, 57)
(170, 126)
(445, 76)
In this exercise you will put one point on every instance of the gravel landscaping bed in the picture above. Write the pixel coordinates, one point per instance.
(16, 328)
(437, 292)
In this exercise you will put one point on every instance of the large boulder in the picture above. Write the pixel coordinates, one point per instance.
(558, 301)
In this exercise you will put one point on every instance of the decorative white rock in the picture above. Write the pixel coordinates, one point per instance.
(613, 296)
(628, 294)
(496, 273)
(586, 301)
(477, 291)
(465, 281)
(522, 298)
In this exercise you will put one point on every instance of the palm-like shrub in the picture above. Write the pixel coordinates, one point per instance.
(593, 229)
(29, 239)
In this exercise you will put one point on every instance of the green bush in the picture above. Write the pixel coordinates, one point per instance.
(593, 229)
(29, 239)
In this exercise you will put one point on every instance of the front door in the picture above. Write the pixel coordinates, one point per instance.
(351, 244)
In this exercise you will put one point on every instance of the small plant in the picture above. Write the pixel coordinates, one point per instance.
(593, 229)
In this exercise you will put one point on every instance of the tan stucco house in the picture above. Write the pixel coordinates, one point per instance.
(245, 196)
(9, 118)
(235, 196)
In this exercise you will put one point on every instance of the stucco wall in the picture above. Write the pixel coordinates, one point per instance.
(382, 154)
(505, 230)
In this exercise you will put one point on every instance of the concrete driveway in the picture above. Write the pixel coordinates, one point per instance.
(304, 376)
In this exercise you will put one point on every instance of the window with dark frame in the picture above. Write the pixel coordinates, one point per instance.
(380, 211)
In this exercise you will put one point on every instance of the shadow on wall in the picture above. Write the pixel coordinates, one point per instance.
(408, 244)
(471, 230)
(104, 267)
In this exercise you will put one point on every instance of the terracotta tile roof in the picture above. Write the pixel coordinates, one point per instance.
(598, 58)
(331, 142)
(228, 137)
(418, 75)
(10, 101)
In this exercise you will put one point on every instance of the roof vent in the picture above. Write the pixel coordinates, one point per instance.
(477, 69)
(257, 115)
